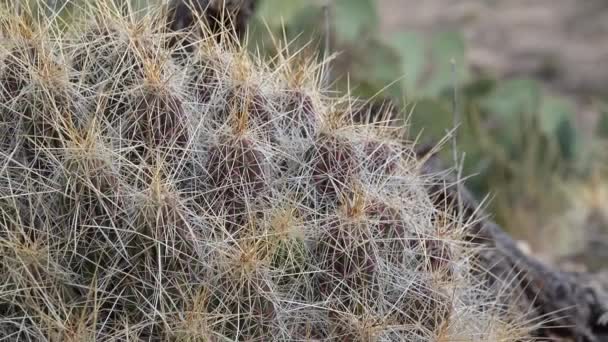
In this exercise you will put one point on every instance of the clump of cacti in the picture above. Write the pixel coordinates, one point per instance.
(156, 191)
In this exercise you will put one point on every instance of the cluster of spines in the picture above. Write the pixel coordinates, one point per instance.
(155, 192)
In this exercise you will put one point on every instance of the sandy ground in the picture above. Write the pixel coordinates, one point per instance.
(564, 42)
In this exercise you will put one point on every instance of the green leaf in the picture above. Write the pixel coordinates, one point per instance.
(511, 98)
(277, 13)
(353, 19)
(412, 51)
(303, 27)
(478, 88)
(602, 127)
(567, 139)
(432, 66)
(306, 26)
(511, 109)
(431, 118)
(556, 121)
(553, 113)
(445, 48)
(376, 69)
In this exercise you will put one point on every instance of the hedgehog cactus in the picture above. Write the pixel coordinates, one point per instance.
(153, 193)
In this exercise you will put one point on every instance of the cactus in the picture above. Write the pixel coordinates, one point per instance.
(150, 191)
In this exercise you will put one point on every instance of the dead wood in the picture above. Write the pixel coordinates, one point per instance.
(568, 305)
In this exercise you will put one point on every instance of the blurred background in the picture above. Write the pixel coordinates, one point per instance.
(531, 78)
(532, 92)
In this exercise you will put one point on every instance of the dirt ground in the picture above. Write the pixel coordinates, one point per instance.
(562, 42)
